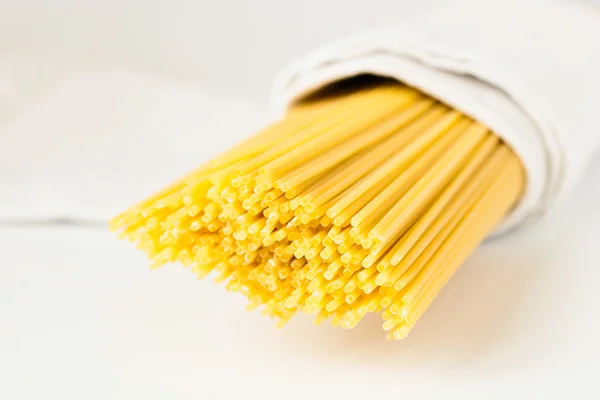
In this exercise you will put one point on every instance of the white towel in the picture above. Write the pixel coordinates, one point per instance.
(529, 69)
(99, 140)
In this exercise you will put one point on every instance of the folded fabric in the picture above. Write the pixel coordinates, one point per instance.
(97, 141)
(528, 69)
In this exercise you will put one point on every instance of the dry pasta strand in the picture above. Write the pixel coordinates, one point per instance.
(366, 200)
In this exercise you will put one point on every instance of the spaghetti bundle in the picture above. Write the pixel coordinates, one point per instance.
(363, 201)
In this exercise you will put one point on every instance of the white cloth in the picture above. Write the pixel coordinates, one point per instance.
(529, 69)
(99, 140)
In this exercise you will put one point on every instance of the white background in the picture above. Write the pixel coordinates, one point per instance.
(234, 45)
(81, 317)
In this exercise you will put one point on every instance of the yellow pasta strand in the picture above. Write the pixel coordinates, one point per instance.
(358, 201)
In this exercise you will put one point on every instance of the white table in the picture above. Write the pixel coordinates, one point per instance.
(81, 317)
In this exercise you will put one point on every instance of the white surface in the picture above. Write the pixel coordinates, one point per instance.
(83, 318)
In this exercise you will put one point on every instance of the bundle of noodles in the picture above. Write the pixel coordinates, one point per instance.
(358, 201)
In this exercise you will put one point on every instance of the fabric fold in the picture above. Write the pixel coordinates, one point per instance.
(529, 70)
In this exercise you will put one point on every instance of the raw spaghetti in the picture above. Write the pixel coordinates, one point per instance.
(366, 201)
